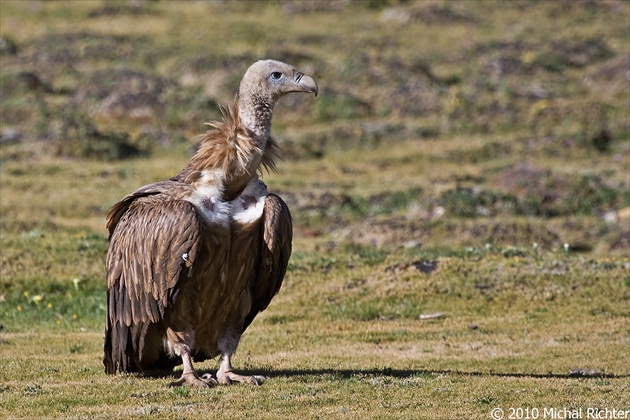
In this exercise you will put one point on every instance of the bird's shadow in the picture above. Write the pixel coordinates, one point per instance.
(411, 373)
(401, 373)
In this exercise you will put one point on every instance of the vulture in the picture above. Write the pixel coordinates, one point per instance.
(192, 260)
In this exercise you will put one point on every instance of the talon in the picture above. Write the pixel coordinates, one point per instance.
(209, 379)
(228, 378)
(257, 380)
(192, 379)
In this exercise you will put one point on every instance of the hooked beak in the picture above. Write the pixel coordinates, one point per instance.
(304, 83)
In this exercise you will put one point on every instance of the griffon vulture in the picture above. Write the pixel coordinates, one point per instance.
(192, 260)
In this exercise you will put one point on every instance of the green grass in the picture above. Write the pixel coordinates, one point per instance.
(459, 191)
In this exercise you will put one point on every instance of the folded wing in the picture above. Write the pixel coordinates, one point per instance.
(154, 243)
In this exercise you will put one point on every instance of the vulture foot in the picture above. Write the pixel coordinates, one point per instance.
(226, 378)
(192, 379)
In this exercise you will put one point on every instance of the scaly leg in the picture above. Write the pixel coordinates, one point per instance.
(189, 375)
(225, 374)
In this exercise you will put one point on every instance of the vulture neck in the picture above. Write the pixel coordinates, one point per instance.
(255, 112)
(233, 150)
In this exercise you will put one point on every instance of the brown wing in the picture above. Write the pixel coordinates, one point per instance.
(118, 209)
(154, 241)
(274, 255)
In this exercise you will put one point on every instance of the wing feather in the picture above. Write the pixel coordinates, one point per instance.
(277, 235)
(150, 231)
(149, 262)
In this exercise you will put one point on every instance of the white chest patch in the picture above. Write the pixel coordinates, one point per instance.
(248, 207)
(206, 200)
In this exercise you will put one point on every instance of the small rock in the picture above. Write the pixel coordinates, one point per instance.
(425, 266)
(10, 135)
(411, 244)
(434, 315)
(585, 373)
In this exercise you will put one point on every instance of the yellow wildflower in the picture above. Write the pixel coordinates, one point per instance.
(537, 107)
(75, 316)
(26, 294)
(528, 57)
(38, 298)
(80, 235)
(19, 308)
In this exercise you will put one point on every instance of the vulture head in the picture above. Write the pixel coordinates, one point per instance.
(262, 85)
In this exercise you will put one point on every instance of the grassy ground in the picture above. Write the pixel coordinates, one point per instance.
(460, 192)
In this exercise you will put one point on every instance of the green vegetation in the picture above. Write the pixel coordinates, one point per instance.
(459, 189)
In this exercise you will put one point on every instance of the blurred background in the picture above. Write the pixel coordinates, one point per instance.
(439, 123)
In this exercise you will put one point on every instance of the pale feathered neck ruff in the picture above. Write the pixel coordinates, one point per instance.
(229, 147)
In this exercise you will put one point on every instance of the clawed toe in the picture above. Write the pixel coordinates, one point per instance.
(257, 379)
(192, 379)
(209, 379)
(227, 378)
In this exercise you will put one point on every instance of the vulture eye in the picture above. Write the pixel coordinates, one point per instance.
(276, 75)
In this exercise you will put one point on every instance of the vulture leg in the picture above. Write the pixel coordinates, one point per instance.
(225, 374)
(189, 375)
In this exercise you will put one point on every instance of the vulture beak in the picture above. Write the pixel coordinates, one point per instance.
(304, 83)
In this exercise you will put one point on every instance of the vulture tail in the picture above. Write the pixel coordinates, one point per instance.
(119, 354)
